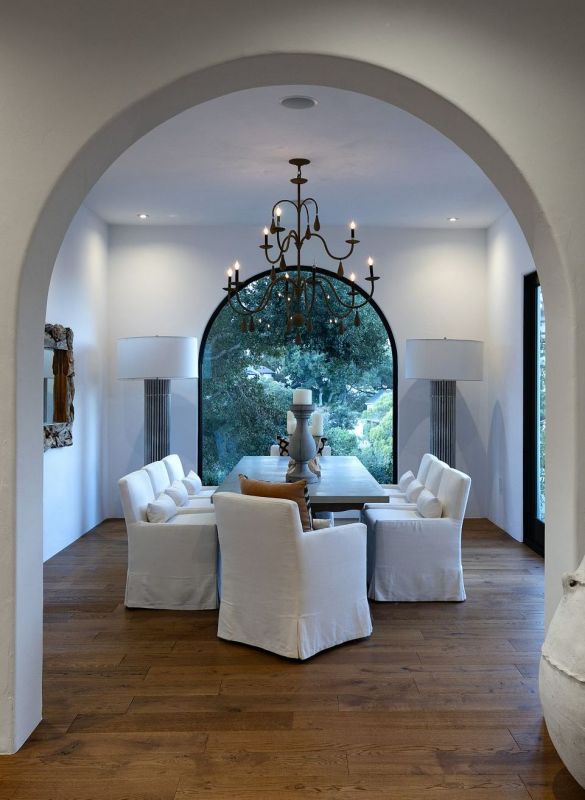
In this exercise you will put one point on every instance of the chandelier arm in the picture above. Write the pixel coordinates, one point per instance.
(245, 311)
(304, 205)
(353, 305)
(282, 248)
(310, 305)
(328, 251)
(281, 203)
(285, 244)
(333, 311)
(336, 313)
(241, 312)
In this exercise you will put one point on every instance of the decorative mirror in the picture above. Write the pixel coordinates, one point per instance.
(58, 386)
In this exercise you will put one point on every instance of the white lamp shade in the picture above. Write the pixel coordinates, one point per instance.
(142, 357)
(443, 360)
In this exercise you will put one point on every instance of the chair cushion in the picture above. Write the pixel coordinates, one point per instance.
(161, 509)
(178, 492)
(405, 480)
(428, 505)
(192, 483)
(414, 489)
(296, 491)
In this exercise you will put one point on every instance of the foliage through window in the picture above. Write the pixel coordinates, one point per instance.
(247, 380)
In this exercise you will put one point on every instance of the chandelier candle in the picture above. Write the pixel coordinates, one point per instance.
(297, 289)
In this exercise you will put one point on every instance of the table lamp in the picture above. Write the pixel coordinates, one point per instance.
(157, 360)
(443, 362)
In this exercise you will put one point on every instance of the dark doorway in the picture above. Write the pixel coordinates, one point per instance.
(534, 414)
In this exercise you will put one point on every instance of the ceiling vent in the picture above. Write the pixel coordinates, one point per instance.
(298, 102)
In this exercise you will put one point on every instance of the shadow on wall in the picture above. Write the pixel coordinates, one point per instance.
(502, 511)
(472, 458)
(184, 430)
(414, 421)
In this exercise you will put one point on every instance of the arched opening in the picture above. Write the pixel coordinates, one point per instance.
(85, 166)
(246, 382)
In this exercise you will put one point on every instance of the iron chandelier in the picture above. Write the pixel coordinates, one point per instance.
(297, 291)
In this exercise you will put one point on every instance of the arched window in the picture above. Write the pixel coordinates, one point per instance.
(246, 383)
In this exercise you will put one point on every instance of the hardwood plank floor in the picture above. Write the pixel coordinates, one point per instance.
(441, 701)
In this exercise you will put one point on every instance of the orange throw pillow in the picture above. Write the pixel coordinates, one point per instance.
(296, 491)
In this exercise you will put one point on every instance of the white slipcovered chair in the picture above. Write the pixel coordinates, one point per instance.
(288, 591)
(430, 478)
(413, 558)
(171, 564)
(160, 480)
(176, 472)
(393, 490)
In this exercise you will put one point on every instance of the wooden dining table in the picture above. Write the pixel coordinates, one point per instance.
(345, 483)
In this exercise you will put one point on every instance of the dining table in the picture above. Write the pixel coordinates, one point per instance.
(345, 483)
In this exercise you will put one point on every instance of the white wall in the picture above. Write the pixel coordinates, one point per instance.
(168, 281)
(508, 260)
(72, 492)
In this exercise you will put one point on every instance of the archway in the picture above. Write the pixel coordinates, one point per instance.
(21, 704)
(362, 415)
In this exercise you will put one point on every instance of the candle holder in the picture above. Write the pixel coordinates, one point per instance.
(302, 446)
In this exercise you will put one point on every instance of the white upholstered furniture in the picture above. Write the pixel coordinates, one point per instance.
(428, 476)
(393, 490)
(288, 591)
(160, 478)
(176, 472)
(171, 564)
(412, 558)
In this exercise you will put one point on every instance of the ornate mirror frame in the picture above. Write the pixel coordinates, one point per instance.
(59, 434)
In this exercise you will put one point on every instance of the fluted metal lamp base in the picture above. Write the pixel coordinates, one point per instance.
(443, 396)
(157, 419)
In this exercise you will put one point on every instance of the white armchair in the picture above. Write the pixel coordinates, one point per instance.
(176, 472)
(413, 558)
(429, 474)
(171, 564)
(288, 591)
(160, 479)
(393, 490)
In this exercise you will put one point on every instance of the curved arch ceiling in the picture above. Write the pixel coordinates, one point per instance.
(224, 161)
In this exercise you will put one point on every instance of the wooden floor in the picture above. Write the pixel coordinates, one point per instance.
(441, 701)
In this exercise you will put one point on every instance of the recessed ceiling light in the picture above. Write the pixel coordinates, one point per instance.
(142, 215)
(452, 219)
(298, 102)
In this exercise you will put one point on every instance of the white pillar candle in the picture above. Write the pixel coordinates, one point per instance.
(317, 424)
(302, 397)
(291, 423)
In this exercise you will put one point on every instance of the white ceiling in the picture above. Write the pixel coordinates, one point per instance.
(226, 161)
